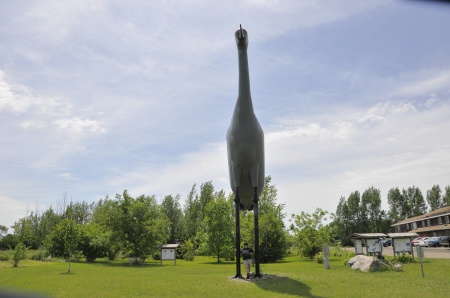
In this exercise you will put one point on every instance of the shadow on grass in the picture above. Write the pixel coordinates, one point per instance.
(286, 285)
(117, 264)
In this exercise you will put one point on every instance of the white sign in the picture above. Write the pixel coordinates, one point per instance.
(359, 247)
(402, 245)
(168, 254)
(374, 245)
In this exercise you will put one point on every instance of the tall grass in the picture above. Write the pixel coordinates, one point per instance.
(206, 278)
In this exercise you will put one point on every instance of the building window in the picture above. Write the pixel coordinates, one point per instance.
(440, 220)
(414, 225)
(446, 219)
(428, 222)
(423, 223)
(407, 226)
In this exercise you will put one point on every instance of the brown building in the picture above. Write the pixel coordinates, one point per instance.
(433, 224)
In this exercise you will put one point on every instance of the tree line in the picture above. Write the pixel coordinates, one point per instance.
(136, 226)
(362, 212)
(205, 225)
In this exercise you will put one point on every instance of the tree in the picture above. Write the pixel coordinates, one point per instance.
(446, 197)
(415, 201)
(142, 225)
(371, 204)
(64, 240)
(353, 205)
(192, 214)
(171, 208)
(219, 224)
(272, 231)
(19, 253)
(93, 241)
(310, 232)
(342, 222)
(3, 231)
(107, 214)
(398, 208)
(434, 198)
(71, 237)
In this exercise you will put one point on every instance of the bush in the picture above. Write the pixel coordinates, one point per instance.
(188, 248)
(404, 258)
(40, 255)
(319, 258)
(4, 257)
(18, 254)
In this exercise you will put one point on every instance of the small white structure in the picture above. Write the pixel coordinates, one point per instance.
(372, 241)
(402, 243)
(168, 252)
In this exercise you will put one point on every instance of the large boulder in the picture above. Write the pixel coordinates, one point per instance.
(365, 263)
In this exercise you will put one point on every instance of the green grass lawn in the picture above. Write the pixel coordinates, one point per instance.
(205, 278)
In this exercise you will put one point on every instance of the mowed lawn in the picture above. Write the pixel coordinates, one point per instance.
(205, 278)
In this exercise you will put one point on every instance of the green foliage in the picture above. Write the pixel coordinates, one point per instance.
(273, 236)
(18, 254)
(9, 241)
(434, 198)
(219, 225)
(189, 251)
(170, 206)
(40, 255)
(5, 255)
(140, 224)
(404, 258)
(310, 232)
(93, 241)
(319, 257)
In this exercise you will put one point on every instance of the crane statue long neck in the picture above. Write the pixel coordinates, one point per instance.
(244, 99)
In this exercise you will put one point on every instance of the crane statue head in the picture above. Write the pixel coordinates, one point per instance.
(241, 38)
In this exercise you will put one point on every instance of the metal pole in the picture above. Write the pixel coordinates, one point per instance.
(237, 202)
(255, 211)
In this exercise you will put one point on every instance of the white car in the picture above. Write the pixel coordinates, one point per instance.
(423, 241)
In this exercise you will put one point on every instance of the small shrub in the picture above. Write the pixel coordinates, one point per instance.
(18, 254)
(157, 256)
(319, 258)
(404, 258)
(4, 258)
(40, 255)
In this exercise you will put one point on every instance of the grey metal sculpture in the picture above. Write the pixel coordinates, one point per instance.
(245, 144)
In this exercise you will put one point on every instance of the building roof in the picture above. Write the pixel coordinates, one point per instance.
(434, 213)
(170, 246)
(403, 235)
(367, 235)
(433, 228)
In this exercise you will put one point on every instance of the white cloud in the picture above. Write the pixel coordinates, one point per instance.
(12, 209)
(78, 125)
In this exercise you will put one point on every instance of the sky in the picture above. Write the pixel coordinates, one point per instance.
(101, 96)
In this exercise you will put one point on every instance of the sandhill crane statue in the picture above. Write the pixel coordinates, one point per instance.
(245, 146)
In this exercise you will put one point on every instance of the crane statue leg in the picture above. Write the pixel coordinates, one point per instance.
(256, 223)
(237, 202)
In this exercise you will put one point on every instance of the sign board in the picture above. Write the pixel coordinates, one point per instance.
(374, 245)
(358, 247)
(168, 254)
(402, 245)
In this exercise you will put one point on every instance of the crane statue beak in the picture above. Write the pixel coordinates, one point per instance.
(241, 32)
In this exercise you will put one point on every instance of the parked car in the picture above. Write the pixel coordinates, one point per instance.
(415, 242)
(422, 241)
(433, 242)
(387, 242)
(444, 241)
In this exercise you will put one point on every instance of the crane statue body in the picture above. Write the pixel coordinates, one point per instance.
(245, 146)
